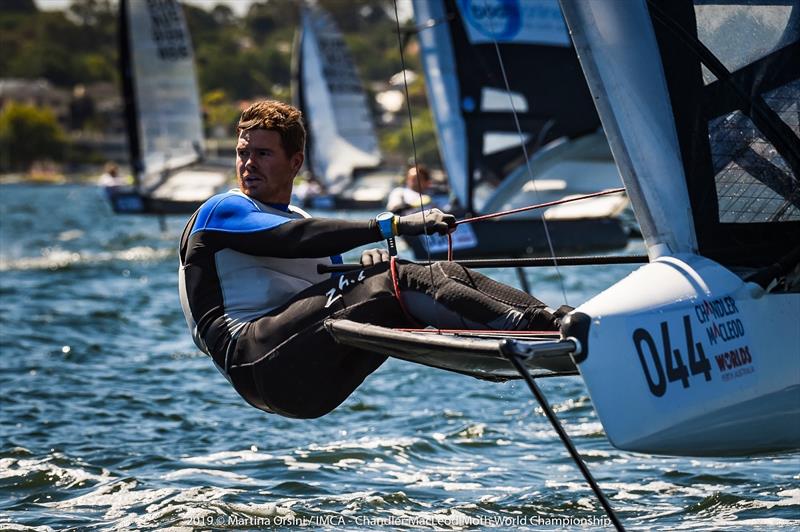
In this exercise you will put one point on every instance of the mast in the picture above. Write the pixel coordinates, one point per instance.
(128, 93)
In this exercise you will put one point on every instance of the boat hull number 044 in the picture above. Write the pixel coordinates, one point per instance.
(669, 364)
(669, 351)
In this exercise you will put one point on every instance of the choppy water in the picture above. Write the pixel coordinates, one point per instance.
(110, 419)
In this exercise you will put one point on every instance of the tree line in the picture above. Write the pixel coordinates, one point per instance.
(237, 57)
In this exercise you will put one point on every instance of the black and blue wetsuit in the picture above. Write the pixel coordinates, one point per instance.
(255, 303)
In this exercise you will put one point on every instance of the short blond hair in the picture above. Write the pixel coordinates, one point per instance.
(283, 118)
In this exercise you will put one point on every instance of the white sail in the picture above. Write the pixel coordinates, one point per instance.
(342, 136)
(162, 113)
(167, 105)
(637, 115)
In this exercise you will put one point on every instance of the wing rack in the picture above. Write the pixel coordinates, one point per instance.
(475, 353)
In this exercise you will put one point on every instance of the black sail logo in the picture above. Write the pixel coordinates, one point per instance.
(167, 30)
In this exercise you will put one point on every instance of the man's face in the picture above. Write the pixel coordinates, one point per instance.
(416, 184)
(263, 170)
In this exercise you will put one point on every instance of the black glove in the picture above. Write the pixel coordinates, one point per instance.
(371, 257)
(433, 221)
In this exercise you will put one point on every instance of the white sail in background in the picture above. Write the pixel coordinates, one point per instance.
(166, 101)
(342, 136)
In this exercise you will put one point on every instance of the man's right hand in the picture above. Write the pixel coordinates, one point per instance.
(371, 257)
(428, 222)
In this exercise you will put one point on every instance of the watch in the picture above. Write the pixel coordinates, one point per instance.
(387, 223)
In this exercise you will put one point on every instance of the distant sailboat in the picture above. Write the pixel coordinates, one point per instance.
(163, 113)
(342, 148)
(468, 54)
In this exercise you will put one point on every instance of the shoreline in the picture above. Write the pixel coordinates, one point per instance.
(51, 178)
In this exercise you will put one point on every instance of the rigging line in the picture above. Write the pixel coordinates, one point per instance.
(540, 205)
(523, 209)
(528, 164)
(416, 164)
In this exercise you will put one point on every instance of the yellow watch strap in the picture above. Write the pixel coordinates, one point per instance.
(394, 225)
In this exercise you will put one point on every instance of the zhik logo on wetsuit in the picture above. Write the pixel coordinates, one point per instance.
(336, 292)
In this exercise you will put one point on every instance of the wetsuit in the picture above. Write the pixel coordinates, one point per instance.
(255, 303)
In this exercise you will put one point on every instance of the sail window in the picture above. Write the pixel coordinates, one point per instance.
(499, 100)
(754, 183)
(739, 35)
(494, 142)
(738, 128)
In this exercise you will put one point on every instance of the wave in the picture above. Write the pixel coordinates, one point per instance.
(230, 457)
(54, 259)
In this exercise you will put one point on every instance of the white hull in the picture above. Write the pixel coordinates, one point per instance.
(745, 400)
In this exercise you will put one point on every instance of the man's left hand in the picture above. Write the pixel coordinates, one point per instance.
(371, 257)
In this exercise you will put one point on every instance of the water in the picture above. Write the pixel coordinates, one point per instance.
(110, 419)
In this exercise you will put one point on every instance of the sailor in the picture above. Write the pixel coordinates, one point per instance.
(111, 177)
(255, 303)
(414, 193)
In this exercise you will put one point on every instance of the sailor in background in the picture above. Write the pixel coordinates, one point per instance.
(111, 177)
(255, 303)
(413, 194)
(419, 191)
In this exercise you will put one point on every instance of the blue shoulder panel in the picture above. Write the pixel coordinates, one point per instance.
(234, 213)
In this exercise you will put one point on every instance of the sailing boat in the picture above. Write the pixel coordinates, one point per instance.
(697, 352)
(342, 146)
(704, 129)
(487, 130)
(162, 112)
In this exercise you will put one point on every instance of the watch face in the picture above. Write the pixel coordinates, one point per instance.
(384, 216)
